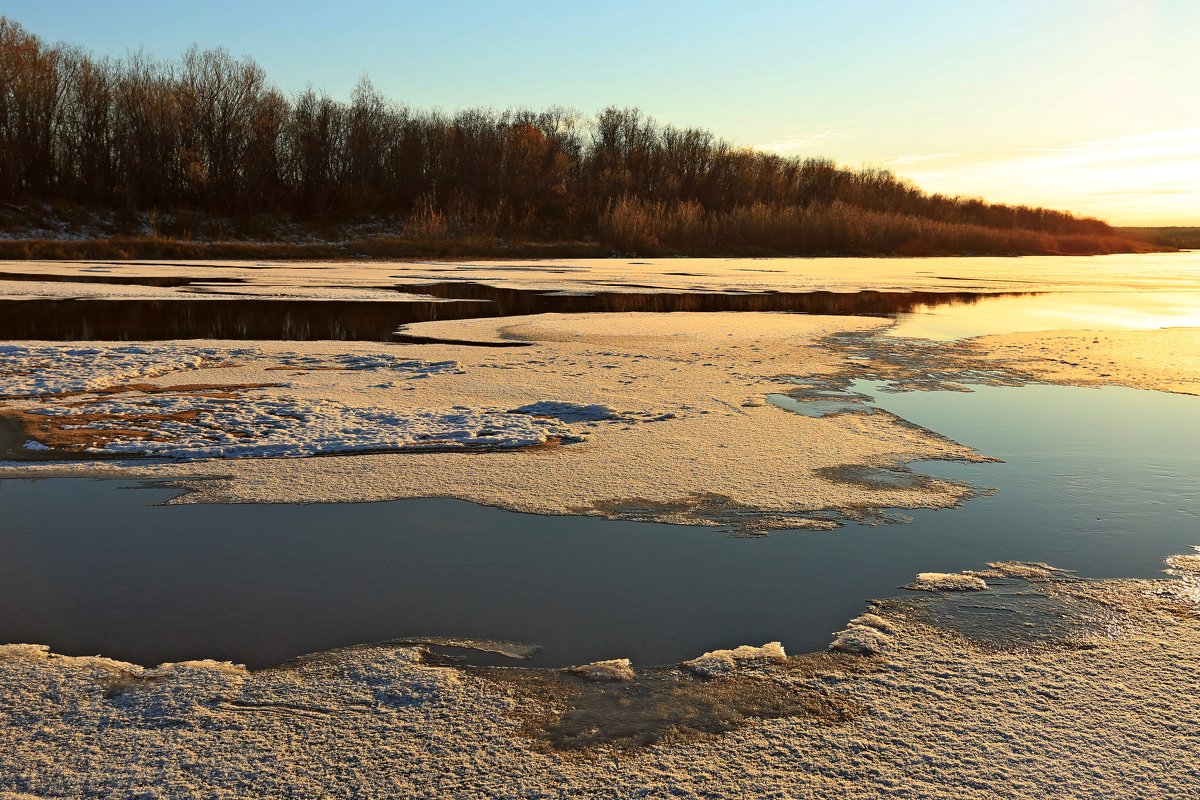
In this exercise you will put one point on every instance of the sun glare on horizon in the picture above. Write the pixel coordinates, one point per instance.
(1151, 179)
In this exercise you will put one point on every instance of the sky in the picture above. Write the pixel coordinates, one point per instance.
(1087, 105)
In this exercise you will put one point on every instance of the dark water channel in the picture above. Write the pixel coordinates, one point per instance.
(89, 319)
(1101, 481)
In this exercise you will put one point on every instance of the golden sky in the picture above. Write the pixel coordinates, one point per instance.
(1147, 179)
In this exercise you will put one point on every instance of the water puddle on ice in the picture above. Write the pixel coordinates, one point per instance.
(1102, 481)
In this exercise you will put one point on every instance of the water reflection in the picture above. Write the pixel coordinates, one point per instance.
(280, 319)
(1095, 311)
(162, 281)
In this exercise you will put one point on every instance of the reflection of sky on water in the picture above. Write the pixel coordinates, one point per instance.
(1051, 311)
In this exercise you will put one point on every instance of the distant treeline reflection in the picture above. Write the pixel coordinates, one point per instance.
(136, 320)
(215, 150)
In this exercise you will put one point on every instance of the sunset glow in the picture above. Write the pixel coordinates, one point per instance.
(1151, 179)
(640, 399)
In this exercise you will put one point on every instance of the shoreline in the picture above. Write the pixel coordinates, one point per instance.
(904, 701)
(473, 248)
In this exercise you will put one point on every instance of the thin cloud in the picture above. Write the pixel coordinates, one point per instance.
(1186, 138)
(805, 142)
(918, 158)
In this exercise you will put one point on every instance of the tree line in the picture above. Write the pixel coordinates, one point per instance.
(209, 133)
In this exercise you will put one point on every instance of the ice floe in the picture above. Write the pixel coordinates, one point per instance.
(1184, 564)
(625, 459)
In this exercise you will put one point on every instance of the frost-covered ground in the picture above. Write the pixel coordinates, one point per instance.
(1109, 711)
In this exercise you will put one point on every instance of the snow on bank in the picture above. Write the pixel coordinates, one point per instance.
(1186, 570)
(866, 635)
(721, 662)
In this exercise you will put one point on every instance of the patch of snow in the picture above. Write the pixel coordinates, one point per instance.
(947, 582)
(617, 669)
(258, 425)
(32, 445)
(860, 640)
(1188, 563)
(1020, 569)
(1186, 570)
(59, 369)
(721, 662)
(868, 634)
(873, 621)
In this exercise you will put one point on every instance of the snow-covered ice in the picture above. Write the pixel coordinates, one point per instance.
(60, 369)
(232, 419)
(35, 370)
(261, 425)
(604, 377)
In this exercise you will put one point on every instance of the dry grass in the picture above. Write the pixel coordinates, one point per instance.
(635, 227)
(839, 228)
